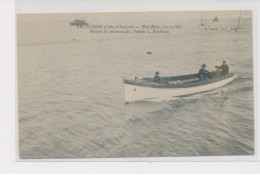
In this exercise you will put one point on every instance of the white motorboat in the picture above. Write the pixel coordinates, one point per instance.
(175, 86)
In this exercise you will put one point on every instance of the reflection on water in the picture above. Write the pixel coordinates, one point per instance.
(221, 100)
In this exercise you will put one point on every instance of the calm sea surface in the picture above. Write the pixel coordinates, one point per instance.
(71, 94)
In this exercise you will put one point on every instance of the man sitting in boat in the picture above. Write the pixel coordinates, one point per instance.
(224, 69)
(156, 77)
(216, 73)
(203, 73)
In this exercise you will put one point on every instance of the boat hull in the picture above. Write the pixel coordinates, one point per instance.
(137, 93)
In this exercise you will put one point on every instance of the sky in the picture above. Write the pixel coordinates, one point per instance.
(52, 6)
(171, 15)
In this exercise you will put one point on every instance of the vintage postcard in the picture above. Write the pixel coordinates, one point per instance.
(135, 84)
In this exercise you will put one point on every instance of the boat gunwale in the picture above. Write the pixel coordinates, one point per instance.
(183, 85)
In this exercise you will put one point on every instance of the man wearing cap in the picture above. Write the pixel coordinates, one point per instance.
(203, 73)
(216, 73)
(224, 69)
(156, 77)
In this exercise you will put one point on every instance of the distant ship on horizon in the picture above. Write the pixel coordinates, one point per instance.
(80, 23)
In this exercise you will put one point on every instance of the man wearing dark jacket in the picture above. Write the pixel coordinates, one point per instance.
(203, 73)
(157, 77)
(224, 69)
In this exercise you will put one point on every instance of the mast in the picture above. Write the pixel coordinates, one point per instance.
(201, 19)
(238, 20)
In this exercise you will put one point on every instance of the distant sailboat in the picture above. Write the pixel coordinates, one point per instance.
(239, 29)
(215, 19)
(201, 23)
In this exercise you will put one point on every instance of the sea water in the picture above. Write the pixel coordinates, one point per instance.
(71, 92)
